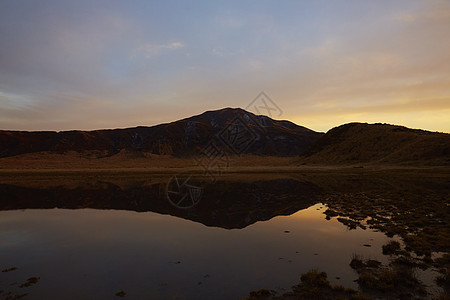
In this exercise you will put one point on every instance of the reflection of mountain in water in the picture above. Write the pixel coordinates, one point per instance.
(237, 203)
(225, 204)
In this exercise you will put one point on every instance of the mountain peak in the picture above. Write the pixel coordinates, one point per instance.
(262, 135)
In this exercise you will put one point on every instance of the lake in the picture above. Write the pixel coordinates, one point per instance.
(91, 238)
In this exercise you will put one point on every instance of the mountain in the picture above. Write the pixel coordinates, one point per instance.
(234, 130)
(356, 143)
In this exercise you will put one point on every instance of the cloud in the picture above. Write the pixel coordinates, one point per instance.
(217, 52)
(149, 50)
(228, 20)
(327, 48)
(66, 65)
(433, 10)
(405, 17)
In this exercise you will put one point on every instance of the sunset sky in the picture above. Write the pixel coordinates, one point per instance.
(107, 64)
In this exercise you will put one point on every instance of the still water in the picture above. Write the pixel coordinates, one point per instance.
(87, 253)
(94, 240)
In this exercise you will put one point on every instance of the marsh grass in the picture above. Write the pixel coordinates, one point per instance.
(443, 280)
(313, 285)
(391, 248)
(395, 280)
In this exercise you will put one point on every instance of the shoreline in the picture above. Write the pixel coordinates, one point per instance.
(227, 170)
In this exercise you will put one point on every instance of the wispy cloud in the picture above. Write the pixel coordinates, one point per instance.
(140, 63)
(228, 20)
(148, 50)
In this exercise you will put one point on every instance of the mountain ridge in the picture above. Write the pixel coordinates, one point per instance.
(348, 144)
(379, 143)
(185, 137)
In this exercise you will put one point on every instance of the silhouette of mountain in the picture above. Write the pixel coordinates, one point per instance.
(379, 143)
(237, 130)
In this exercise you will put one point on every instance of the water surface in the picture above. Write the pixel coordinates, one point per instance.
(91, 240)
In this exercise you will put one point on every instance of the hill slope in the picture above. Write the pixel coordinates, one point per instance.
(235, 130)
(356, 143)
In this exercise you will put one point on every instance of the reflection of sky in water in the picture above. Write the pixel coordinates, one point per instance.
(95, 253)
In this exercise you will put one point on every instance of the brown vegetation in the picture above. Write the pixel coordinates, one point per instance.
(313, 285)
(361, 143)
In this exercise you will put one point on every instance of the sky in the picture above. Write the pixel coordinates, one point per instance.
(112, 64)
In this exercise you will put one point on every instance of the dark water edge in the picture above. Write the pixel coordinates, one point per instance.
(247, 229)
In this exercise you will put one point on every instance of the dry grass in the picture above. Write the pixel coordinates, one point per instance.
(380, 144)
(128, 162)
